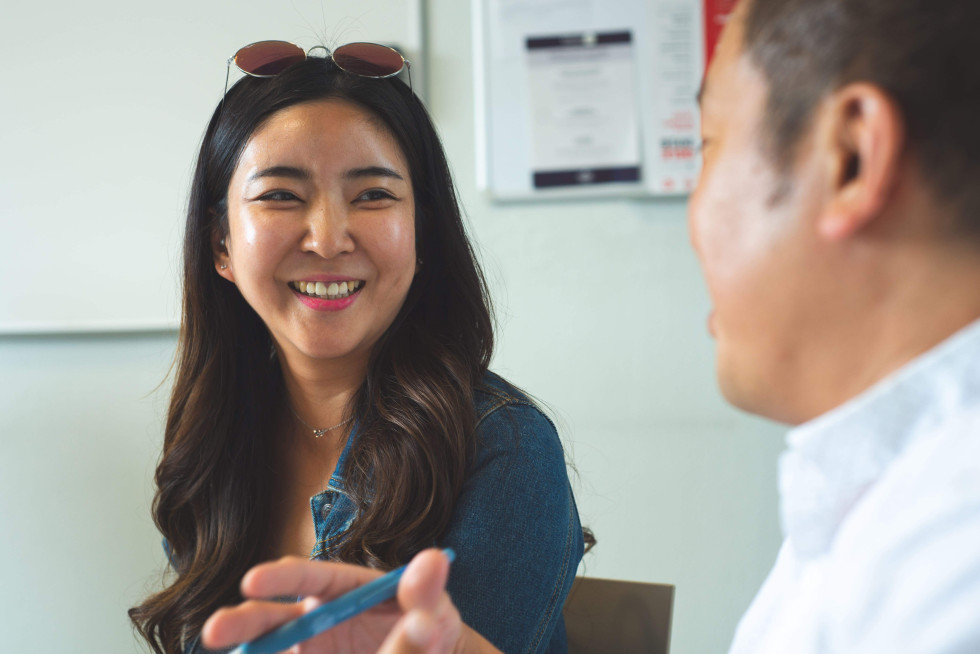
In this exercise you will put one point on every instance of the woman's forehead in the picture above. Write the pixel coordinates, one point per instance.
(329, 133)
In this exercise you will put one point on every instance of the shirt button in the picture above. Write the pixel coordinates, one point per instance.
(325, 509)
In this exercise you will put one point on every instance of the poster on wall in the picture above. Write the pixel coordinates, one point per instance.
(583, 109)
(587, 97)
(675, 73)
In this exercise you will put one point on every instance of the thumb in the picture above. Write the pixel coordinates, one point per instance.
(423, 584)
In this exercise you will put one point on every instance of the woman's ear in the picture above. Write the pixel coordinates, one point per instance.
(864, 134)
(222, 261)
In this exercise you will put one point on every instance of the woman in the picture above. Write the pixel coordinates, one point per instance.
(332, 398)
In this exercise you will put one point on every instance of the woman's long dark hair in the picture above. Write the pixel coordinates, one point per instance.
(216, 478)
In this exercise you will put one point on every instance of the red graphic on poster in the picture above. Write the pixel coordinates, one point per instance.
(681, 121)
(716, 14)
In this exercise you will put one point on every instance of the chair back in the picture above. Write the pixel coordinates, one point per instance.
(603, 616)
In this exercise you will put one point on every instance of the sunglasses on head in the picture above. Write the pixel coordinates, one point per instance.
(269, 58)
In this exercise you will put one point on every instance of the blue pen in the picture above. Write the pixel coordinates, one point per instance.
(329, 615)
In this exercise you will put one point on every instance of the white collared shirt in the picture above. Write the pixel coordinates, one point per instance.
(880, 503)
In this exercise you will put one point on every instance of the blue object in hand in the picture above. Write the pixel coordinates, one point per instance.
(329, 615)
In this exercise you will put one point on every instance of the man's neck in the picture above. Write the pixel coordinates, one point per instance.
(915, 300)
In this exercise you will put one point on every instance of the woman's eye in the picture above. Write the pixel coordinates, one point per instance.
(374, 195)
(278, 196)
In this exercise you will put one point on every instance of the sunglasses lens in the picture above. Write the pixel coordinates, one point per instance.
(268, 57)
(368, 59)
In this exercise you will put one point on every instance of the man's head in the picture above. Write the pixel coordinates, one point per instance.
(842, 141)
(922, 53)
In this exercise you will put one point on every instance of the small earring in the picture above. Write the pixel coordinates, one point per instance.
(419, 260)
(224, 265)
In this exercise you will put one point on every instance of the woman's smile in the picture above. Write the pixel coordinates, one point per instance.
(327, 296)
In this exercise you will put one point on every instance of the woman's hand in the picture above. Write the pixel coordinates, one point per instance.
(423, 620)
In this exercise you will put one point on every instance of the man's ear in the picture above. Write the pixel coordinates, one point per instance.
(219, 250)
(863, 132)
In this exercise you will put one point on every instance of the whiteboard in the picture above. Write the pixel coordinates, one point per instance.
(102, 107)
(667, 38)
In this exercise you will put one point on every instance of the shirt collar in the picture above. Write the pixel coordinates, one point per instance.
(832, 460)
(336, 482)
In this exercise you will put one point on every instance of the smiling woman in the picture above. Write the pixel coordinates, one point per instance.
(332, 398)
(321, 197)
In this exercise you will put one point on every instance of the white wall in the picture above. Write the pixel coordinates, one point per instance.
(80, 425)
(106, 102)
(602, 314)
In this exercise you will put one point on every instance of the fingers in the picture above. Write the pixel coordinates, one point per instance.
(295, 576)
(431, 624)
(287, 577)
(423, 584)
(247, 621)
(416, 633)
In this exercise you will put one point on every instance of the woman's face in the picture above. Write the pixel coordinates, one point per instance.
(321, 229)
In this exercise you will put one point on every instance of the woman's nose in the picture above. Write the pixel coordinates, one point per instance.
(327, 232)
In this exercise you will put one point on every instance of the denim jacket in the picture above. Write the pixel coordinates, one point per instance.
(515, 527)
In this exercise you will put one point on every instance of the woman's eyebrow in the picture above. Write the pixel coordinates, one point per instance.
(281, 171)
(372, 171)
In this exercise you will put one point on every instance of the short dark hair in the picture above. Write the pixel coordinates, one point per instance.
(921, 52)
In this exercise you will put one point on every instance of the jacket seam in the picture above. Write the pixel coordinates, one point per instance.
(556, 590)
(323, 545)
(504, 401)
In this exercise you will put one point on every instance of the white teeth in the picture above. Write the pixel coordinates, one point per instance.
(331, 291)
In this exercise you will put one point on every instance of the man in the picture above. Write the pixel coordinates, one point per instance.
(837, 220)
